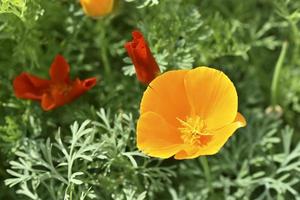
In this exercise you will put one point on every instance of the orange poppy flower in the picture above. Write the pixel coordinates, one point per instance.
(188, 113)
(97, 8)
(144, 63)
(57, 91)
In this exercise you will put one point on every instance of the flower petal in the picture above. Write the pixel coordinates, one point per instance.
(156, 137)
(87, 84)
(59, 71)
(79, 87)
(212, 96)
(186, 153)
(220, 136)
(47, 102)
(27, 86)
(76, 89)
(97, 8)
(144, 63)
(166, 96)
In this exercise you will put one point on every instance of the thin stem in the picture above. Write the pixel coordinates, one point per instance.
(103, 49)
(295, 34)
(2, 173)
(77, 28)
(206, 169)
(275, 80)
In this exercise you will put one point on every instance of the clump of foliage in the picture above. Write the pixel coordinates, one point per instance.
(42, 158)
(95, 162)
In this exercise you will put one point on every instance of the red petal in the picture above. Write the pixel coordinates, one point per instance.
(145, 65)
(60, 69)
(47, 102)
(79, 87)
(60, 98)
(27, 86)
(89, 83)
(137, 36)
(129, 49)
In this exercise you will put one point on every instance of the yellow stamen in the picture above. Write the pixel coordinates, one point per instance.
(194, 131)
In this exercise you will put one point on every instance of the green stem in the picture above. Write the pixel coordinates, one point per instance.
(207, 174)
(295, 34)
(275, 80)
(72, 38)
(2, 173)
(103, 49)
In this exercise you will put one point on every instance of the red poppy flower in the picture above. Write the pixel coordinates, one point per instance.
(57, 91)
(144, 63)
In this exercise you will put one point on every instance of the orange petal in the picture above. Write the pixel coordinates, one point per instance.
(156, 137)
(220, 136)
(212, 96)
(47, 102)
(60, 69)
(187, 152)
(166, 96)
(29, 87)
(97, 8)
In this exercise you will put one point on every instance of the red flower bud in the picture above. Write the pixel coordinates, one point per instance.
(144, 63)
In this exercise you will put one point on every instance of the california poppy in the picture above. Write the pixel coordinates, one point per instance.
(188, 113)
(57, 91)
(96, 8)
(144, 63)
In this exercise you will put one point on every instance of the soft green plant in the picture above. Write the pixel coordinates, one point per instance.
(258, 163)
(42, 159)
(96, 162)
(145, 3)
(16, 7)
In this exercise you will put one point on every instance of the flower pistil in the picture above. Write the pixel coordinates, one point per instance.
(194, 131)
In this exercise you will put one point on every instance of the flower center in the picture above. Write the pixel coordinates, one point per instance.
(62, 88)
(194, 131)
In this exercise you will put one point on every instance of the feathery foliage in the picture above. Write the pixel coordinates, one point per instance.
(42, 158)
